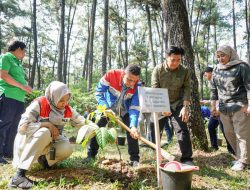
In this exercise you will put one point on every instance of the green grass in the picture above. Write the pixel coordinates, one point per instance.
(214, 171)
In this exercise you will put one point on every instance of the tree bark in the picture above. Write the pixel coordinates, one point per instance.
(105, 37)
(39, 70)
(91, 56)
(61, 43)
(150, 35)
(126, 34)
(247, 8)
(177, 24)
(33, 72)
(234, 23)
(69, 29)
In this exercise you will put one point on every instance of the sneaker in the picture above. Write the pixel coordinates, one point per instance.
(43, 162)
(239, 166)
(190, 163)
(134, 164)
(88, 160)
(3, 161)
(21, 182)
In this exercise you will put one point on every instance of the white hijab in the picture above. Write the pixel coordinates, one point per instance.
(54, 92)
(234, 58)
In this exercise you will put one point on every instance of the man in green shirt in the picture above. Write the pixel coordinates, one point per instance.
(13, 88)
(176, 79)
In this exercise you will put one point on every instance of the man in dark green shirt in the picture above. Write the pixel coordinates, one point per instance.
(13, 88)
(176, 79)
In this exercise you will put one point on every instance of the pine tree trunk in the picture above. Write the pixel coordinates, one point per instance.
(39, 70)
(33, 71)
(247, 8)
(61, 43)
(70, 23)
(150, 35)
(234, 23)
(91, 56)
(105, 37)
(126, 34)
(177, 25)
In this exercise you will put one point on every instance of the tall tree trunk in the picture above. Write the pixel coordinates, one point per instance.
(61, 43)
(39, 70)
(110, 51)
(29, 54)
(121, 57)
(69, 29)
(197, 23)
(150, 35)
(33, 72)
(191, 15)
(160, 33)
(105, 37)
(247, 10)
(179, 34)
(215, 36)
(91, 56)
(86, 59)
(234, 24)
(126, 33)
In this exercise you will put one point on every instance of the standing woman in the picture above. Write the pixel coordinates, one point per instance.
(231, 86)
(13, 88)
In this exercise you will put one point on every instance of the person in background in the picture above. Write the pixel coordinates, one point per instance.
(168, 127)
(230, 84)
(118, 91)
(13, 88)
(40, 133)
(173, 76)
(214, 120)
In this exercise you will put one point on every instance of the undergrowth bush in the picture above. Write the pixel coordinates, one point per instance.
(81, 101)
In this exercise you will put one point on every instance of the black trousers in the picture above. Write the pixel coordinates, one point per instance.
(10, 115)
(133, 147)
(181, 131)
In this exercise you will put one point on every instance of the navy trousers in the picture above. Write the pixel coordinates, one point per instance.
(213, 123)
(133, 146)
(169, 130)
(181, 131)
(10, 115)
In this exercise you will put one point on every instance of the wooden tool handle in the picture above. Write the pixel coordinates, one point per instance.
(164, 153)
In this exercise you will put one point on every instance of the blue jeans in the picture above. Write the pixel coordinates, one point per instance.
(169, 130)
(10, 115)
(212, 129)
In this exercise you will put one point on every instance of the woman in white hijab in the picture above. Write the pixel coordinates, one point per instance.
(40, 125)
(230, 85)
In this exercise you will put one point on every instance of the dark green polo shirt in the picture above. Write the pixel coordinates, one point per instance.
(177, 82)
(13, 66)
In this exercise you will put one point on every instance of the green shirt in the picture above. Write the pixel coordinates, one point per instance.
(176, 81)
(13, 66)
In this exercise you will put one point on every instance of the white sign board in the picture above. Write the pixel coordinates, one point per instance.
(154, 99)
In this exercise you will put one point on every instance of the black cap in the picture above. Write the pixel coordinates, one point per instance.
(208, 69)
